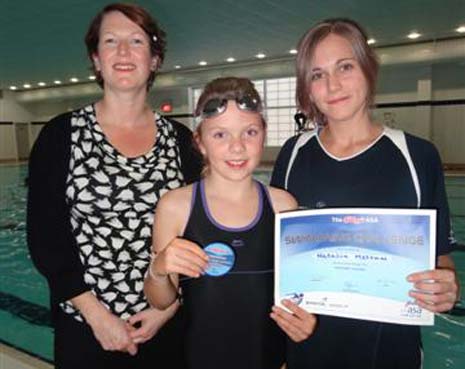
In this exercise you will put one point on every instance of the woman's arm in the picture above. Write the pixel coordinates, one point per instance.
(446, 262)
(51, 244)
(112, 332)
(436, 290)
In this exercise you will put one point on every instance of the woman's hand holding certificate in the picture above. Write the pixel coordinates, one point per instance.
(436, 290)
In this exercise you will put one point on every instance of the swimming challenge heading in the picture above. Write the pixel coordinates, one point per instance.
(355, 238)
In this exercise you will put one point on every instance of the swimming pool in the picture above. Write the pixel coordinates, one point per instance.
(24, 312)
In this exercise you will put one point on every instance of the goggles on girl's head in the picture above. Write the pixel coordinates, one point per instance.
(218, 106)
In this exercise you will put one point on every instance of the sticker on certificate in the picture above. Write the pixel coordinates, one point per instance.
(354, 262)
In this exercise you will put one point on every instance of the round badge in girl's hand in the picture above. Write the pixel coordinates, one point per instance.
(221, 259)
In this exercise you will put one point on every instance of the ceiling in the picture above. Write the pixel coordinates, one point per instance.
(43, 40)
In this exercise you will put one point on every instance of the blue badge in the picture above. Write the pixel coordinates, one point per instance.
(221, 259)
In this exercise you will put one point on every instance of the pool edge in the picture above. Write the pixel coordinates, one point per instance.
(13, 357)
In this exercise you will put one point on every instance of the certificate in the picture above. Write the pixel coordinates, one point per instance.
(354, 262)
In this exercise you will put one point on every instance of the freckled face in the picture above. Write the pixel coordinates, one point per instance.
(123, 56)
(232, 142)
(338, 86)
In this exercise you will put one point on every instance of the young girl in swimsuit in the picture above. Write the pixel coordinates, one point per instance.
(214, 239)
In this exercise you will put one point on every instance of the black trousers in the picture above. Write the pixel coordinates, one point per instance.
(77, 348)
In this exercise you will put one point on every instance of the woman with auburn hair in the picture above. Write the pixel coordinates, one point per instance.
(96, 175)
(352, 161)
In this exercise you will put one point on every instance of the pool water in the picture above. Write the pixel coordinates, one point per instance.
(24, 311)
(24, 308)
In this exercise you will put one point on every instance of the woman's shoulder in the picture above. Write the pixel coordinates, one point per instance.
(415, 144)
(61, 124)
(191, 159)
(299, 140)
(58, 124)
(422, 152)
(420, 145)
(293, 145)
(281, 199)
(54, 136)
(181, 129)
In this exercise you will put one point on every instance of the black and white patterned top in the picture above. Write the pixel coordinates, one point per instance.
(112, 200)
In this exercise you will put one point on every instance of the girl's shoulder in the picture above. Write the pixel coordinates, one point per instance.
(281, 200)
(176, 203)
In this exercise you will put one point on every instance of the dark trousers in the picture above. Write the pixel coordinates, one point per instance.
(77, 348)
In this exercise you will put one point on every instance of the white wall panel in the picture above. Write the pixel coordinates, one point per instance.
(402, 118)
(7, 142)
(12, 110)
(449, 132)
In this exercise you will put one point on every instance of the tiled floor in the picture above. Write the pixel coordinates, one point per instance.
(14, 359)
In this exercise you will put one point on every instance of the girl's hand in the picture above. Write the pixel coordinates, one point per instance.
(298, 325)
(182, 257)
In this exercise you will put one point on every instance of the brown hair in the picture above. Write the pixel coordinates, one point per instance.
(140, 17)
(365, 55)
(228, 88)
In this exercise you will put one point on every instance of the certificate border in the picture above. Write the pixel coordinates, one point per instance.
(427, 316)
